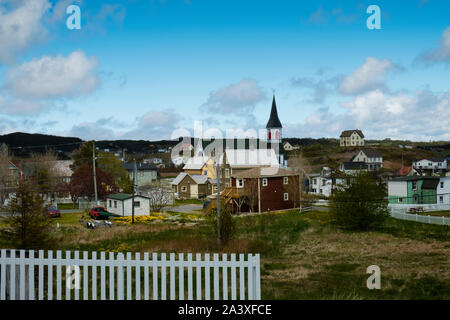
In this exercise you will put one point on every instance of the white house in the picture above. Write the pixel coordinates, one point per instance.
(371, 157)
(439, 164)
(323, 184)
(120, 203)
(443, 191)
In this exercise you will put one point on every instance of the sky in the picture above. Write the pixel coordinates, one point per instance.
(153, 69)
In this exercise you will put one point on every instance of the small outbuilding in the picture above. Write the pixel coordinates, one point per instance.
(121, 204)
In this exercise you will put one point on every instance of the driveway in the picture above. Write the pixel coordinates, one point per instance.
(185, 208)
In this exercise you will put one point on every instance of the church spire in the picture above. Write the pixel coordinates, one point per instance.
(274, 121)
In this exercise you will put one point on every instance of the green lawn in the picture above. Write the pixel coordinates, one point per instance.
(436, 213)
(303, 256)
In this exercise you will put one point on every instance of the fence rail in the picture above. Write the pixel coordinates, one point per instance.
(49, 276)
(400, 214)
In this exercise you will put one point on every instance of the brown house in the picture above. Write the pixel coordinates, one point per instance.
(191, 186)
(266, 189)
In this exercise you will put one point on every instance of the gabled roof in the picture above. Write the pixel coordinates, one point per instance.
(198, 178)
(264, 172)
(274, 121)
(403, 171)
(348, 133)
(195, 163)
(250, 158)
(119, 196)
(431, 159)
(372, 153)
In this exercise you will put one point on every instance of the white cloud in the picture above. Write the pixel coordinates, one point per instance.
(20, 25)
(54, 77)
(440, 54)
(238, 98)
(366, 77)
(421, 115)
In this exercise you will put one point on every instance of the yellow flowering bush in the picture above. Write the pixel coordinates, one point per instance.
(138, 219)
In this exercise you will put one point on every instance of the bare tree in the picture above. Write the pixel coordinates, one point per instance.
(159, 195)
(300, 165)
(43, 171)
(7, 183)
(251, 192)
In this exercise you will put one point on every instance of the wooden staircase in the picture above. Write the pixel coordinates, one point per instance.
(227, 194)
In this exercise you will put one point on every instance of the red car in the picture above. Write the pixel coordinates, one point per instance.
(53, 212)
(99, 213)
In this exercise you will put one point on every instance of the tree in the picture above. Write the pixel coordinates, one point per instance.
(301, 166)
(251, 193)
(109, 163)
(6, 179)
(105, 161)
(28, 225)
(42, 169)
(82, 183)
(158, 195)
(360, 204)
(227, 225)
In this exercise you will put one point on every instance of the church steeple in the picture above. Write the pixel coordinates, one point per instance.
(274, 121)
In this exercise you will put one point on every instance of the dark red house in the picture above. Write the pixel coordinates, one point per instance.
(266, 189)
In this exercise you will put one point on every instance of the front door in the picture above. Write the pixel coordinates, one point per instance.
(194, 190)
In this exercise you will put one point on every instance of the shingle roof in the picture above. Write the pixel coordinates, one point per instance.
(264, 172)
(372, 153)
(274, 121)
(200, 179)
(119, 196)
(179, 178)
(348, 133)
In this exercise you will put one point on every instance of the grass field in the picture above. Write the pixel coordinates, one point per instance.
(303, 256)
(436, 213)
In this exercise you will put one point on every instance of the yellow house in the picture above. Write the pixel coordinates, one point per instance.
(350, 138)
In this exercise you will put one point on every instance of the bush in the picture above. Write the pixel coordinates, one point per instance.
(361, 204)
(227, 225)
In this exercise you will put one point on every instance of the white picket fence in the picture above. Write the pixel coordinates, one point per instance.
(24, 276)
(400, 214)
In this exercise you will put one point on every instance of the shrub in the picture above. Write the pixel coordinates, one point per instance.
(361, 204)
(227, 225)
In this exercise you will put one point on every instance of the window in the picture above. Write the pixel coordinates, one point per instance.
(115, 204)
(264, 182)
(205, 173)
(286, 180)
(240, 183)
(286, 196)
(227, 173)
(110, 203)
(442, 184)
(414, 185)
(183, 189)
(441, 199)
(137, 204)
(314, 181)
(400, 199)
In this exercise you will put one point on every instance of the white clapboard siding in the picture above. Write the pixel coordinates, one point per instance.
(76, 276)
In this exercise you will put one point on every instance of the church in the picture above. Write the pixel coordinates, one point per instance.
(199, 176)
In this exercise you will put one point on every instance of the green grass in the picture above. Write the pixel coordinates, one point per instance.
(303, 256)
(67, 206)
(435, 213)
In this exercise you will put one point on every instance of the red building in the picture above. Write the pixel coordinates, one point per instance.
(265, 189)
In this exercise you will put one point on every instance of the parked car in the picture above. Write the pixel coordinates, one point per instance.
(53, 212)
(100, 212)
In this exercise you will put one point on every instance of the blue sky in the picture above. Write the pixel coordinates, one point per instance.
(141, 69)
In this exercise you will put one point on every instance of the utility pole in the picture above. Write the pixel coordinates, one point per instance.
(95, 175)
(219, 238)
(132, 197)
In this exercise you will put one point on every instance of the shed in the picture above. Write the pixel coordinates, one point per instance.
(121, 204)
